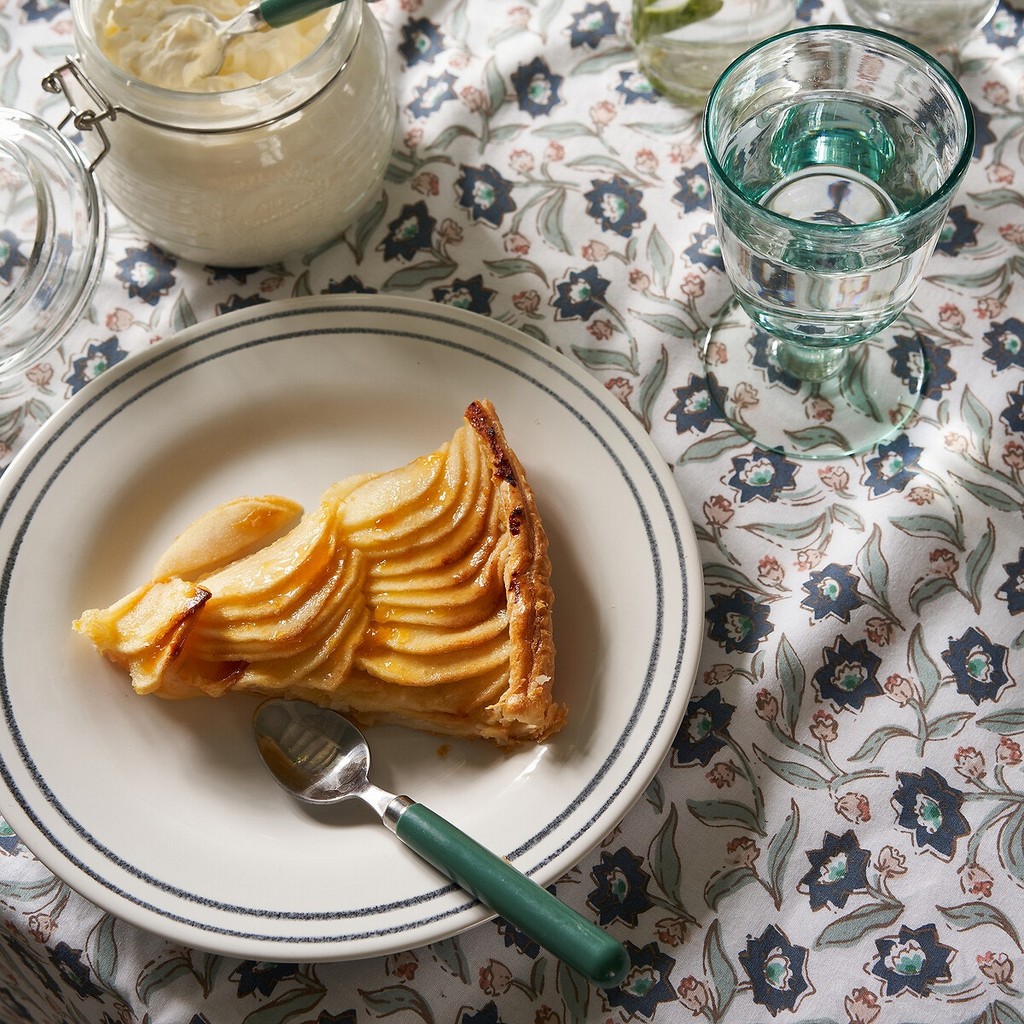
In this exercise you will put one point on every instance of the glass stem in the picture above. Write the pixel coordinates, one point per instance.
(810, 364)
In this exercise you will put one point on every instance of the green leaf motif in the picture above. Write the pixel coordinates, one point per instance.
(448, 953)
(872, 746)
(978, 563)
(666, 324)
(948, 725)
(718, 813)
(848, 930)
(921, 664)
(292, 1005)
(929, 589)
(651, 387)
(872, 565)
(978, 421)
(182, 314)
(1011, 844)
(1004, 723)
(793, 772)
(550, 222)
(965, 916)
(790, 670)
(725, 884)
(159, 974)
(394, 998)
(811, 438)
(603, 358)
(495, 86)
(934, 527)
(510, 267)
(780, 849)
(801, 531)
(718, 967)
(575, 993)
(708, 449)
(659, 252)
(990, 496)
(664, 857)
(411, 278)
(101, 949)
(998, 1013)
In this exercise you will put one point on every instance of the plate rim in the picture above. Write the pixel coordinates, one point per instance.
(98, 889)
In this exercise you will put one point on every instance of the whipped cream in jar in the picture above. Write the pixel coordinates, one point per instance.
(273, 152)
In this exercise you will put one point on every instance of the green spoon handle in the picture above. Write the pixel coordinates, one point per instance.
(522, 902)
(283, 12)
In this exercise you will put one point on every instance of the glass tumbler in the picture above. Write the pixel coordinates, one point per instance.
(834, 154)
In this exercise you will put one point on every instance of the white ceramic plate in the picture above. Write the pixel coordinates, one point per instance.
(161, 812)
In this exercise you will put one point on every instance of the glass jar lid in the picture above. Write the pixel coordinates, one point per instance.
(52, 238)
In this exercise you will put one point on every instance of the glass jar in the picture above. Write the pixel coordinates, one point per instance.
(683, 47)
(244, 177)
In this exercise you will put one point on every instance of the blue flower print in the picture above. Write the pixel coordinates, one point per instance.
(635, 88)
(9, 842)
(978, 665)
(1005, 27)
(1013, 414)
(469, 294)
(517, 940)
(536, 88)
(700, 736)
(838, 871)
(75, 974)
(409, 232)
(421, 42)
(349, 285)
(704, 249)
(909, 352)
(958, 232)
(831, 591)
(594, 23)
(1006, 344)
(776, 969)
(762, 475)
(581, 296)
(615, 205)
(912, 960)
(11, 256)
(43, 10)
(762, 349)
(849, 675)
(255, 976)
(983, 134)
(147, 273)
(775, 283)
(1013, 589)
(485, 193)
(694, 189)
(486, 1015)
(928, 808)
(646, 985)
(892, 468)
(806, 9)
(698, 405)
(98, 357)
(429, 97)
(240, 302)
(237, 274)
(621, 888)
(738, 622)
(345, 1017)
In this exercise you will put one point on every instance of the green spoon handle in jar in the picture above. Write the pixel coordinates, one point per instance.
(283, 12)
(522, 902)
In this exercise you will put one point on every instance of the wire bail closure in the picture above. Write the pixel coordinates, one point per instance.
(83, 120)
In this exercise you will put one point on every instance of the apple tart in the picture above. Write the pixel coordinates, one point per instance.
(419, 596)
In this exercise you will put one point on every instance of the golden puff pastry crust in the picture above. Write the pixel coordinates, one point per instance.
(420, 596)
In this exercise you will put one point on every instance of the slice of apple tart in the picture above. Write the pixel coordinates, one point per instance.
(419, 596)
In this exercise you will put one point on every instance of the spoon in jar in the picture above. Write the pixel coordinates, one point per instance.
(205, 38)
(318, 756)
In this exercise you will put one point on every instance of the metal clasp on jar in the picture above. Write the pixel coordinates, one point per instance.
(86, 120)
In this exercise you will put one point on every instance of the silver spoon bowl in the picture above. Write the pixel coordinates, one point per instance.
(318, 756)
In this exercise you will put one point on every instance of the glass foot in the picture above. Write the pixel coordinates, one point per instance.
(878, 387)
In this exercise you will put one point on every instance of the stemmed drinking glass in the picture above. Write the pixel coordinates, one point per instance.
(834, 154)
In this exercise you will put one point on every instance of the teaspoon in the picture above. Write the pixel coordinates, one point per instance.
(318, 756)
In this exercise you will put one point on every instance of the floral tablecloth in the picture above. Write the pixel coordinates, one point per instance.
(838, 835)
